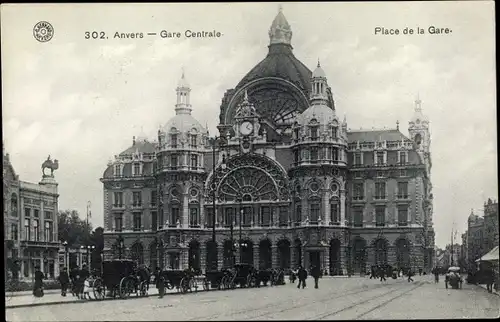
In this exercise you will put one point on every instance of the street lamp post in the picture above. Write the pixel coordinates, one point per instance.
(120, 247)
(213, 141)
(66, 255)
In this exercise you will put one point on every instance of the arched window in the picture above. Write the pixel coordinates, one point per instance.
(194, 214)
(314, 207)
(175, 213)
(13, 205)
(298, 212)
(335, 211)
(253, 182)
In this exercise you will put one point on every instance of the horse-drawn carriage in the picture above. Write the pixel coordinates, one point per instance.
(119, 278)
(243, 275)
(182, 280)
(453, 278)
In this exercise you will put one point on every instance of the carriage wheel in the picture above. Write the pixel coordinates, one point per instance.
(143, 291)
(223, 282)
(98, 289)
(232, 284)
(125, 288)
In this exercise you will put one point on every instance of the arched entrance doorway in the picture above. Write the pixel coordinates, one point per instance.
(284, 253)
(381, 252)
(247, 252)
(265, 254)
(136, 253)
(211, 261)
(335, 258)
(403, 253)
(194, 256)
(359, 252)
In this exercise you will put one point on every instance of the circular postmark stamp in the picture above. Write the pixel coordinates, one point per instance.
(43, 31)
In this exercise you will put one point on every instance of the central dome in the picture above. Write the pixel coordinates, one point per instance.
(280, 61)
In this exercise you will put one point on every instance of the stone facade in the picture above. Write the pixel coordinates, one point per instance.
(286, 182)
(30, 224)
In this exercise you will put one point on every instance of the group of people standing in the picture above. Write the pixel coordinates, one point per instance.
(301, 274)
(379, 271)
(78, 279)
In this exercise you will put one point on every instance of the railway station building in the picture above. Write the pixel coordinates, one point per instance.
(285, 174)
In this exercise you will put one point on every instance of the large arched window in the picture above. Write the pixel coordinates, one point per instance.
(250, 183)
(13, 205)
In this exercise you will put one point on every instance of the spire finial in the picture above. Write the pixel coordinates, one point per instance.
(319, 63)
(397, 124)
(182, 68)
(418, 102)
(246, 95)
(280, 8)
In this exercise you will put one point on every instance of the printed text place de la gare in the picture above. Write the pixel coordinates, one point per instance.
(431, 30)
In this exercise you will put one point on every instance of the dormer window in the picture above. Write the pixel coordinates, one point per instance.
(358, 158)
(314, 133)
(137, 169)
(335, 154)
(173, 141)
(193, 141)
(335, 132)
(297, 131)
(118, 170)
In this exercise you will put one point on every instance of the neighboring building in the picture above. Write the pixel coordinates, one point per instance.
(30, 222)
(442, 258)
(475, 239)
(463, 251)
(305, 189)
(482, 233)
(490, 224)
(453, 254)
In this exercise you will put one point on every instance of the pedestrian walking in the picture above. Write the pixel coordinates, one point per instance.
(410, 274)
(64, 280)
(373, 274)
(435, 271)
(302, 275)
(381, 273)
(38, 286)
(489, 277)
(83, 274)
(315, 273)
(160, 283)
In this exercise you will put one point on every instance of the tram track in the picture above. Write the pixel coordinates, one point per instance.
(283, 308)
(364, 301)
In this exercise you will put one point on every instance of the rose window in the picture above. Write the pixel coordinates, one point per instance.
(250, 184)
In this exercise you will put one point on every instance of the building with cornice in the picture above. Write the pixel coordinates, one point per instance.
(290, 178)
(30, 224)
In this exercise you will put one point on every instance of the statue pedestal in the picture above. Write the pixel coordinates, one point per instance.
(48, 180)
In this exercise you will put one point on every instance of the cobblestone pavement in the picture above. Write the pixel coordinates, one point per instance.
(354, 298)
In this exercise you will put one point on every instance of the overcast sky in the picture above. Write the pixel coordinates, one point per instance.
(81, 101)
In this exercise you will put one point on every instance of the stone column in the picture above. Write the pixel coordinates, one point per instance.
(371, 257)
(185, 210)
(220, 254)
(274, 256)
(342, 207)
(326, 260)
(391, 255)
(203, 256)
(256, 262)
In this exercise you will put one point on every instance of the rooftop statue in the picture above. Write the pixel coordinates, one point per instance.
(49, 164)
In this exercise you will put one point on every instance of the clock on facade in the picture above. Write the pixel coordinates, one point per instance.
(246, 128)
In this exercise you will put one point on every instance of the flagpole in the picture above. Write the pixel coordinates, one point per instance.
(88, 232)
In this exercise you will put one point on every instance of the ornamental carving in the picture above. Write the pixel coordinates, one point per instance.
(252, 177)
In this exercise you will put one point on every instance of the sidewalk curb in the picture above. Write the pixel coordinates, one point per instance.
(485, 288)
(110, 298)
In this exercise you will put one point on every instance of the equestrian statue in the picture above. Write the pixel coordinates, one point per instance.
(52, 165)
